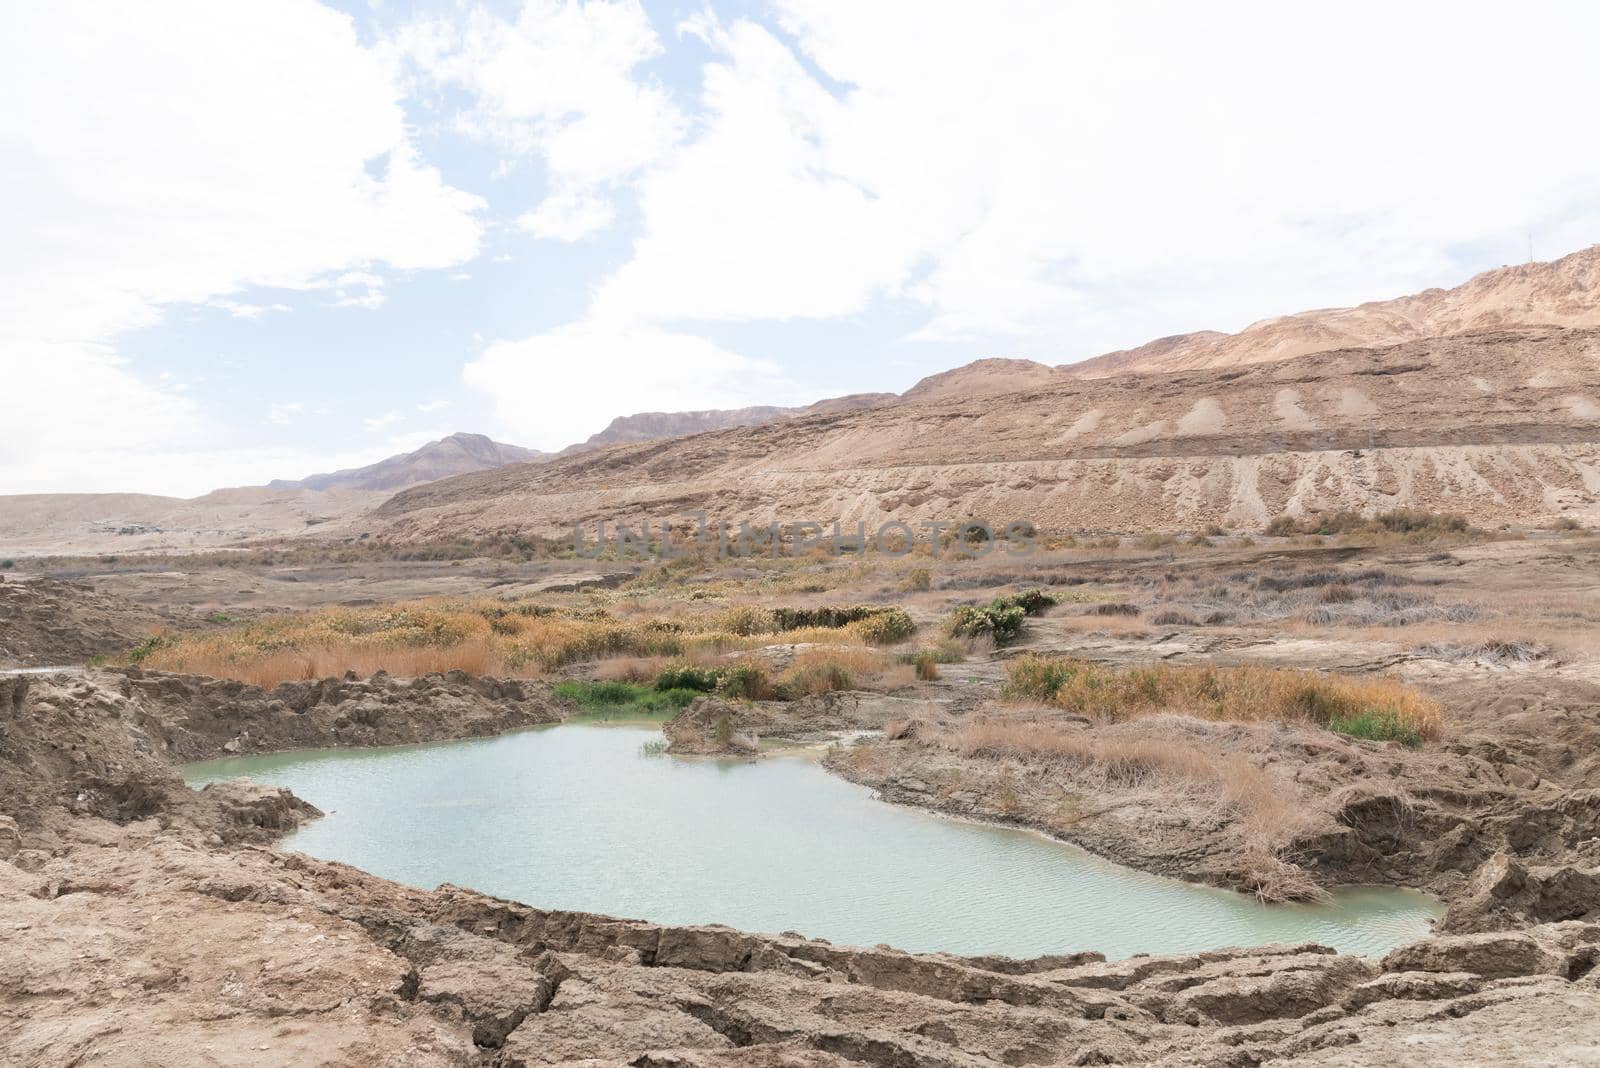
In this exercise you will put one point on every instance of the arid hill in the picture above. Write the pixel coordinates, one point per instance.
(135, 522)
(458, 454)
(1500, 426)
(656, 426)
(67, 523)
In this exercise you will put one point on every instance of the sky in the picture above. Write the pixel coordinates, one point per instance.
(254, 240)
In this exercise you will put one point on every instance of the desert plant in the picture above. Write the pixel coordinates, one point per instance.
(1032, 602)
(747, 680)
(1246, 693)
(885, 627)
(919, 578)
(996, 620)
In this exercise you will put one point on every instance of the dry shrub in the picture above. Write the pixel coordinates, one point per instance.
(825, 670)
(1245, 694)
(629, 668)
(894, 677)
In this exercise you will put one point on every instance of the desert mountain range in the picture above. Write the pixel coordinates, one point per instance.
(1484, 398)
(1502, 425)
(1563, 293)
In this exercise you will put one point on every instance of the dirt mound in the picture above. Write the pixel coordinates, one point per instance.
(71, 748)
(714, 727)
(48, 622)
(193, 717)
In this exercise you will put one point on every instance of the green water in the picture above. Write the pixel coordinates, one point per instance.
(580, 816)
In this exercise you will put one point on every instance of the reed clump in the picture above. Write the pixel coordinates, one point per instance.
(1359, 707)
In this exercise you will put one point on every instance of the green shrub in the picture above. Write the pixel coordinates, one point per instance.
(927, 665)
(824, 615)
(998, 620)
(689, 677)
(624, 697)
(749, 681)
(7, 565)
(1032, 602)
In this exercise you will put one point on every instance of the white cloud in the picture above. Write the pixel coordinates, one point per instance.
(375, 423)
(438, 404)
(558, 388)
(567, 216)
(242, 310)
(1076, 177)
(181, 153)
(284, 414)
(558, 80)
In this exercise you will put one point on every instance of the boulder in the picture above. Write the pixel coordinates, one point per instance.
(1505, 894)
(1494, 955)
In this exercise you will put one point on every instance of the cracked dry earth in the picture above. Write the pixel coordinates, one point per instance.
(136, 945)
(142, 922)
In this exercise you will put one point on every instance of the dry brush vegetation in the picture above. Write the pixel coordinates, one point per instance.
(486, 636)
(1377, 708)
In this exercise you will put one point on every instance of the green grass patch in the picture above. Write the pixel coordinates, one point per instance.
(1376, 725)
(624, 700)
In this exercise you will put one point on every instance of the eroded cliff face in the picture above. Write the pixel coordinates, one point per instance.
(1500, 427)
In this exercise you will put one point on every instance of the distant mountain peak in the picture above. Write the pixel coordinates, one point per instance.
(459, 454)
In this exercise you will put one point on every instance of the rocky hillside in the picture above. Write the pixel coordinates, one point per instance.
(457, 454)
(655, 426)
(1563, 293)
(1501, 426)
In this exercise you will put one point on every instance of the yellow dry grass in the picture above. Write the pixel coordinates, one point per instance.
(1246, 694)
(482, 636)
